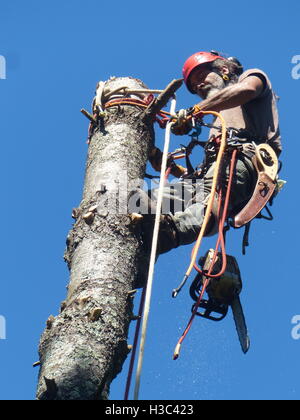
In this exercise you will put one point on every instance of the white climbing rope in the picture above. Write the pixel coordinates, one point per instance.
(153, 252)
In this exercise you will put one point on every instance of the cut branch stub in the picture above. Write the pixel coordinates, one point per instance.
(163, 98)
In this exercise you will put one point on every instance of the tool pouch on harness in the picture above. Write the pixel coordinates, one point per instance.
(266, 163)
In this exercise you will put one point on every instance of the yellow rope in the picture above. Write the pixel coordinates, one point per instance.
(213, 190)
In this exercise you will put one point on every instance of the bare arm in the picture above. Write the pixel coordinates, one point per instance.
(234, 95)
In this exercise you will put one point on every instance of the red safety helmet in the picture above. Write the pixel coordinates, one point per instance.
(195, 61)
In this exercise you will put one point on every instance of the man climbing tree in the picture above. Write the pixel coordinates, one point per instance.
(248, 105)
(84, 347)
(236, 180)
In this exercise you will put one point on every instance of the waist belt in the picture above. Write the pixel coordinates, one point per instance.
(244, 146)
(238, 139)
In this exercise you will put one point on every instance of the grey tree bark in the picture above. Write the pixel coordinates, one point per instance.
(85, 346)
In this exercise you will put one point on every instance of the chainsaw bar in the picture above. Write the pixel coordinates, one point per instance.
(240, 323)
(223, 292)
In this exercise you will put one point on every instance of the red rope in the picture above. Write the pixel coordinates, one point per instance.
(165, 116)
(135, 342)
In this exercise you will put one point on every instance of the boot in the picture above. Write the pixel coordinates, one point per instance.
(167, 237)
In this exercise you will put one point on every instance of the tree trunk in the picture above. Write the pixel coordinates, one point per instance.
(85, 346)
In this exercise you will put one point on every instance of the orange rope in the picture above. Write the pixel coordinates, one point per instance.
(213, 190)
(128, 101)
(224, 257)
(165, 116)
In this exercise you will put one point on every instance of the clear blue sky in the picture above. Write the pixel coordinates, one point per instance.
(55, 54)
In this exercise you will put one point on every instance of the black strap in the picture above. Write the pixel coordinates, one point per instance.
(246, 237)
(270, 216)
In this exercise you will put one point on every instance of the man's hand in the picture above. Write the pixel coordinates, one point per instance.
(182, 129)
(178, 170)
(182, 124)
(155, 159)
